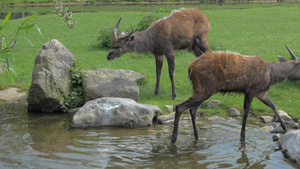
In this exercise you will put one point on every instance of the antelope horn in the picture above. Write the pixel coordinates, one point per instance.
(291, 53)
(116, 28)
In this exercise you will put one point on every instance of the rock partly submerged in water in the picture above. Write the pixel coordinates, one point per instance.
(114, 112)
(290, 145)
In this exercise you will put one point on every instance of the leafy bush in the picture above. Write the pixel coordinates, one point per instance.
(146, 21)
(161, 10)
(105, 36)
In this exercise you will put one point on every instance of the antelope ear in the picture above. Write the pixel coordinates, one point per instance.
(123, 33)
(131, 38)
(281, 59)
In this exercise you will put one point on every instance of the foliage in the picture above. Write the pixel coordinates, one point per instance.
(6, 58)
(6, 44)
(66, 15)
(75, 97)
(105, 36)
(146, 21)
(161, 10)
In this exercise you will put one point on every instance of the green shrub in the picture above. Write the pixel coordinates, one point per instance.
(105, 36)
(146, 21)
(161, 10)
(75, 97)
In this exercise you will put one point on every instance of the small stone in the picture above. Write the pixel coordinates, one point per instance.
(278, 129)
(270, 127)
(169, 118)
(275, 137)
(169, 108)
(296, 126)
(234, 112)
(267, 119)
(213, 104)
(285, 117)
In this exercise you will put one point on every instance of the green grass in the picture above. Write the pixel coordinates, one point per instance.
(259, 30)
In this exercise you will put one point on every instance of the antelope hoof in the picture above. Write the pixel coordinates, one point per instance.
(242, 135)
(156, 91)
(173, 96)
(173, 141)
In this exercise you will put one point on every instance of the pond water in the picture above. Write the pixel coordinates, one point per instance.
(47, 141)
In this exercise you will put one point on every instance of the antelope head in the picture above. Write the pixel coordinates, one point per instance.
(119, 43)
(296, 75)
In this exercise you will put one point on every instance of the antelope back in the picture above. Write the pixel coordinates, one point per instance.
(227, 72)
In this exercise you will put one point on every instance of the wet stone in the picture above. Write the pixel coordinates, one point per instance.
(288, 119)
(267, 119)
(169, 118)
(276, 137)
(169, 108)
(296, 126)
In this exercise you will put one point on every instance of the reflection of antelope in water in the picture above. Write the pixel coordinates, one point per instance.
(215, 72)
(184, 28)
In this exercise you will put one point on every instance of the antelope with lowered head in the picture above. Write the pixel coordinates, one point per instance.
(296, 76)
(184, 28)
(224, 72)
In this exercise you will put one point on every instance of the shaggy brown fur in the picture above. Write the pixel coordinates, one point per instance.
(216, 72)
(184, 28)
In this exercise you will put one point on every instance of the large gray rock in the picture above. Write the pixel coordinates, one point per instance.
(111, 83)
(51, 78)
(290, 145)
(114, 112)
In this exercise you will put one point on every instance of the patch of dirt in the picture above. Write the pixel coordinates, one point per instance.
(12, 95)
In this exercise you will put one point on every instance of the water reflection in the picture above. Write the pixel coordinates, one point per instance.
(46, 141)
(50, 134)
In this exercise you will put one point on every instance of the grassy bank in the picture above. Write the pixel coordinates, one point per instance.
(261, 30)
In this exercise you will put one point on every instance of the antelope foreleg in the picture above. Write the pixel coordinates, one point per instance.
(265, 99)
(159, 62)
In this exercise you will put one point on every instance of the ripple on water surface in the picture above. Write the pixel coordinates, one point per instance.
(47, 141)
